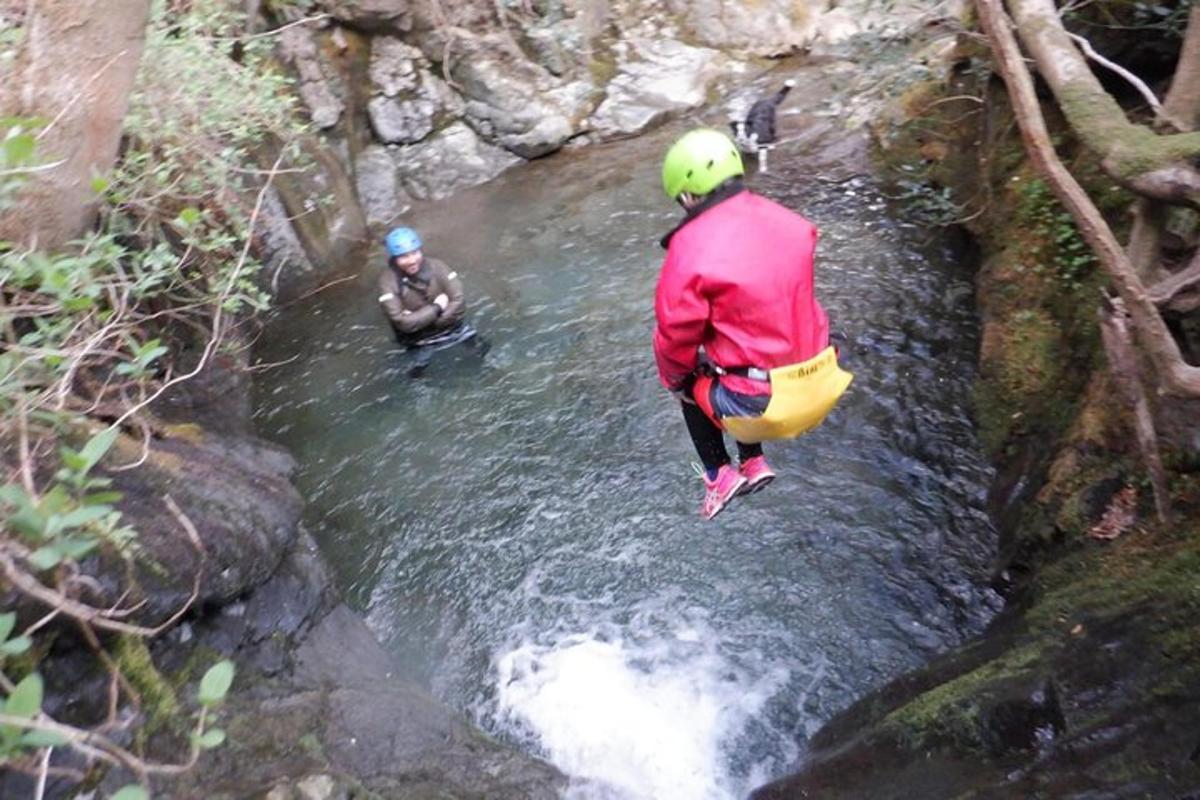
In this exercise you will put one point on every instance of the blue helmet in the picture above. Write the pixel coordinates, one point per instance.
(401, 241)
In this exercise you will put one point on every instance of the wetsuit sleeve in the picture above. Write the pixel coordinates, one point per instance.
(414, 321)
(453, 288)
(682, 312)
(401, 318)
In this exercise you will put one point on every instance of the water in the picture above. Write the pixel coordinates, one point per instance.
(524, 534)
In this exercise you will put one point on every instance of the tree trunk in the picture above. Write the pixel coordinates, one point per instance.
(1134, 155)
(75, 71)
(1182, 105)
(1176, 376)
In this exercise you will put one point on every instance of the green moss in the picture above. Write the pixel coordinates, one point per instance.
(310, 744)
(198, 661)
(1118, 578)
(949, 713)
(158, 701)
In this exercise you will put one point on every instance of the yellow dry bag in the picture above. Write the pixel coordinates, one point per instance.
(802, 395)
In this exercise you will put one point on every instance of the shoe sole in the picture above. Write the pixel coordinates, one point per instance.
(756, 486)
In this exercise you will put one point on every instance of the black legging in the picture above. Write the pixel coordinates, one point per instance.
(710, 441)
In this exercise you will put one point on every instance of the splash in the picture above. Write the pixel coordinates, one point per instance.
(628, 723)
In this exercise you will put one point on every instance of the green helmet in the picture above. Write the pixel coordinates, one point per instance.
(700, 161)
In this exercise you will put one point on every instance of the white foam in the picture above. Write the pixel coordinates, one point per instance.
(628, 723)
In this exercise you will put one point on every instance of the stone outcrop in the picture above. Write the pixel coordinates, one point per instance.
(303, 718)
(655, 78)
(415, 100)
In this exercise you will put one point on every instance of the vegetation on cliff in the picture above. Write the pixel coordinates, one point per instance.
(1087, 683)
(127, 264)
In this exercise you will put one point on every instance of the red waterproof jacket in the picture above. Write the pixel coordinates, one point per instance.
(738, 281)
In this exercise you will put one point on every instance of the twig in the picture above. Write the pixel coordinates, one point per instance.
(40, 790)
(1134, 80)
(282, 28)
(83, 612)
(218, 316)
(271, 365)
(26, 170)
(321, 288)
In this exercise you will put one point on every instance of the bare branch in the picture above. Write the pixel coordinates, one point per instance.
(1177, 376)
(1133, 80)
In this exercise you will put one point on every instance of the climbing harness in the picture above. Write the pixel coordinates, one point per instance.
(802, 395)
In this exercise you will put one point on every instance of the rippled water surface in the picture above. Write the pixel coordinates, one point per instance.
(524, 533)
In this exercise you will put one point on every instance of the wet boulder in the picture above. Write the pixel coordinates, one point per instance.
(382, 16)
(1022, 717)
(453, 159)
(298, 47)
(769, 28)
(655, 77)
(379, 190)
(519, 105)
(408, 100)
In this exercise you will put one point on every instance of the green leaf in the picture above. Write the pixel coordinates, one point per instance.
(216, 682)
(43, 739)
(13, 495)
(131, 792)
(72, 460)
(101, 498)
(46, 557)
(100, 184)
(28, 522)
(26, 698)
(97, 446)
(14, 647)
(214, 737)
(7, 623)
(76, 547)
(19, 149)
(189, 217)
(82, 516)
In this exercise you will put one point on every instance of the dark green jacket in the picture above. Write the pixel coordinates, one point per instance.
(408, 300)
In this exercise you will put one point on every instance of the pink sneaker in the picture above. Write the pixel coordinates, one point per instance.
(718, 492)
(757, 473)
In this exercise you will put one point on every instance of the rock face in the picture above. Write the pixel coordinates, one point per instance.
(417, 100)
(318, 708)
(655, 78)
(766, 28)
(322, 724)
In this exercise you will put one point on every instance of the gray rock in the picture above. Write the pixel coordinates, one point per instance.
(519, 105)
(556, 47)
(453, 159)
(298, 47)
(655, 78)
(379, 190)
(343, 722)
(236, 492)
(282, 249)
(393, 16)
(393, 67)
(409, 99)
(401, 121)
(316, 787)
(764, 28)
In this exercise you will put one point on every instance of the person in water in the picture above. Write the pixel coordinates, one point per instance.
(423, 299)
(740, 338)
